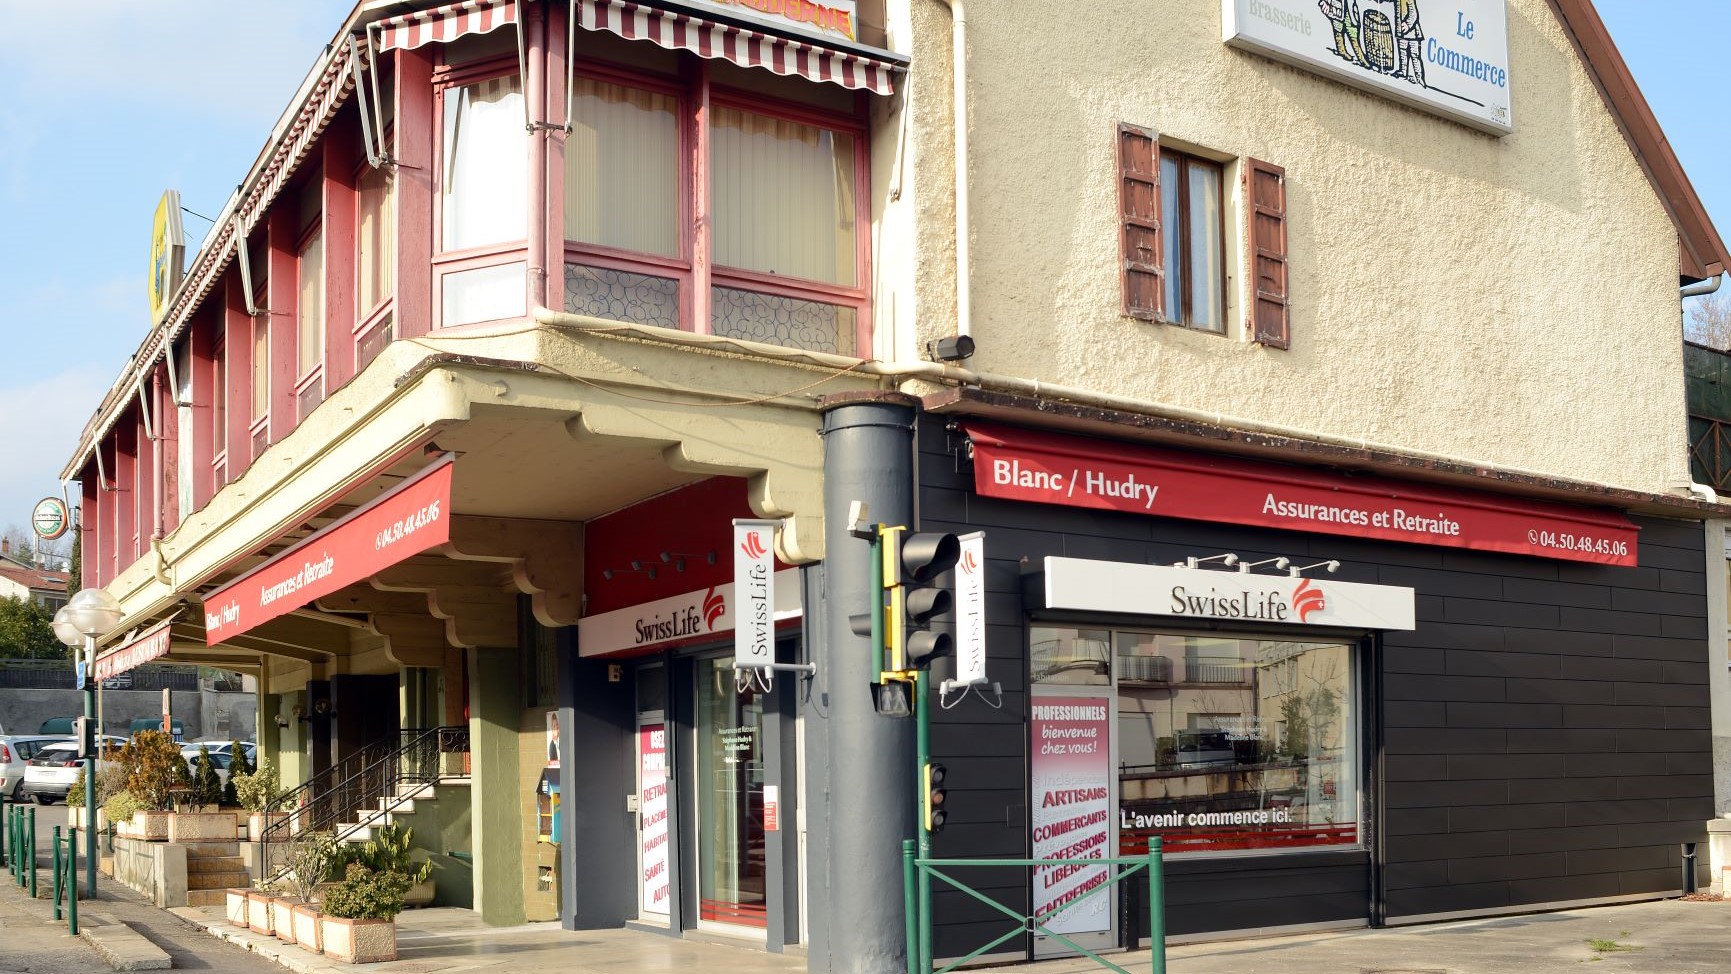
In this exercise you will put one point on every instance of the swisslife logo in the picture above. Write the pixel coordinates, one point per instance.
(1308, 598)
(753, 545)
(1270, 604)
(969, 563)
(714, 607)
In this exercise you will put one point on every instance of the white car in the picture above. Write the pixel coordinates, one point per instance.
(221, 755)
(15, 750)
(50, 773)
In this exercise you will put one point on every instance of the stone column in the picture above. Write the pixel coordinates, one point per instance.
(495, 792)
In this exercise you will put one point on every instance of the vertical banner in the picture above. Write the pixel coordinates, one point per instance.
(971, 611)
(1072, 815)
(652, 807)
(754, 588)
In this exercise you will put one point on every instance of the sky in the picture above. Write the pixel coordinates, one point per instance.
(182, 93)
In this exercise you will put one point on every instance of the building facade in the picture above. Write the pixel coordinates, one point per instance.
(1313, 376)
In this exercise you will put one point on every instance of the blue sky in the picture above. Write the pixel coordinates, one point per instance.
(181, 94)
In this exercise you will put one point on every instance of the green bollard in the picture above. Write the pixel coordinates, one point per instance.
(59, 877)
(4, 844)
(1156, 905)
(30, 849)
(72, 882)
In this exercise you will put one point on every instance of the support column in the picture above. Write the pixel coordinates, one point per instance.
(495, 791)
(1719, 699)
(856, 820)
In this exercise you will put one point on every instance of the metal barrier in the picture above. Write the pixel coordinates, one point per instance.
(918, 873)
(66, 878)
(21, 837)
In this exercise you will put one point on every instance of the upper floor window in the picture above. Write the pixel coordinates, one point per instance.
(483, 202)
(374, 238)
(1195, 248)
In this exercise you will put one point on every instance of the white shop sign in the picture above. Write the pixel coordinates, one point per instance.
(1199, 593)
(1451, 59)
(678, 618)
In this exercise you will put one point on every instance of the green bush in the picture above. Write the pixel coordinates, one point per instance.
(386, 852)
(237, 765)
(206, 783)
(110, 780)
(121, 806)
(153, 768)
(366, 895)
(261, 789)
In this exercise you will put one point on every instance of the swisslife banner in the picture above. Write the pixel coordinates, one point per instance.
(1450, 59)
(1051, 468)
(405, 521)
(1072, 778)
(1200, 593)
(687, 617)
(754, 587)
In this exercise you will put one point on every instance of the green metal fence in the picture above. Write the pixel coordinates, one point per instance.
(919, 874)
(66, 878)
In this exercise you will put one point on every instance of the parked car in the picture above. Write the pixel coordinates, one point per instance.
(221, 755)
(50, 773)
(15, 751)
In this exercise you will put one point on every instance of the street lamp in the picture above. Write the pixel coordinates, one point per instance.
(89, 614)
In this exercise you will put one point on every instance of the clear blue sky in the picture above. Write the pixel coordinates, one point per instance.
(182, 93)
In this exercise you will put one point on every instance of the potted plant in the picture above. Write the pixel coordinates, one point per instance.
(154, 770)
(206, 793)
(360, 916)
(389, 851)
(258, 912)
(309, 861)
(237, 765)
(260, 792)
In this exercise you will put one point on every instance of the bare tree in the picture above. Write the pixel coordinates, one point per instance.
(1708, 321)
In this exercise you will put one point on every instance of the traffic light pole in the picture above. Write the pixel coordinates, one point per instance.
(92, 735)
(922, 755)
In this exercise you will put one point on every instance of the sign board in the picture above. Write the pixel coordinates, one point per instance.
(167, 253)
(78, 675)
(152, 644)
(687, 617)
(1450, 59)
(772, 808)
(652, 807)
(404, 521)
(754, 587)
(971, 611)
(50, 519)
(1073, 783)
(1233, 596)
(830, 20)
(1051, 468)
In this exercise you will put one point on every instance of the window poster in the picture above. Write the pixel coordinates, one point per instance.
(1072, 810)
(652, 807)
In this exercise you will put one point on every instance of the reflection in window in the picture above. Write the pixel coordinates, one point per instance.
(1072, 657)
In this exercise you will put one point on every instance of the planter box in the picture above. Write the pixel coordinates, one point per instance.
(359, 941)
(201, 827)
(237, 906)
(307, 917)
(257, 822)
(76, 818)
(282, 915)
(421, 894)
(258, 912)
(152, 826)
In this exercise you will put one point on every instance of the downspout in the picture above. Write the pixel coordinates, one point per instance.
(1699, 288)
(535, 99)
(959, 106)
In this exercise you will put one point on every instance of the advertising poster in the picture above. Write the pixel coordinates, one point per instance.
(1072, 809)
(652, 807)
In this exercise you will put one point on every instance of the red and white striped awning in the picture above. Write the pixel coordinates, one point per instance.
(445, 24)
(746, 48)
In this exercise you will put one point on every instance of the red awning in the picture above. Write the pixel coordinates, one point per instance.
(405, 521)
(1076, 471)
(152, 644)
(445, 24)
(746, 48)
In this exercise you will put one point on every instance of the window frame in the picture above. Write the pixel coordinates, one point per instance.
(1179, 267)
(367, 319)
(314, 227)
(446, 78)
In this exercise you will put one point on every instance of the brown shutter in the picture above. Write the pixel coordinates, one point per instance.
(1265, 209)
(1139, 202)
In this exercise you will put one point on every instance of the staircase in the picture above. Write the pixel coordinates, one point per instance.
(211, 868)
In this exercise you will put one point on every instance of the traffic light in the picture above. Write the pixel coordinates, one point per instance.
(932, 813)
(910, 565)
(81, 736)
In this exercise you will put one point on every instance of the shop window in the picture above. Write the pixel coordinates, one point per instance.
(1072, 657)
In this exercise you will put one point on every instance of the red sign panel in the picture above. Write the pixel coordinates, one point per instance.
(406, 521)
(1050, 468)
(152, 645)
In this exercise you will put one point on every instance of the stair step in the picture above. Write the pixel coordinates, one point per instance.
(206, 897)
(218, 881)
(204, 850)
(214, 864)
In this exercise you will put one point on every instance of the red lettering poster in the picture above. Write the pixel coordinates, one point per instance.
(652, 807)
(1072, 810)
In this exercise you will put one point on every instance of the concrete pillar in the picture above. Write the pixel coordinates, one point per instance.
(291, 757)
(495, 791)
(856, 820)
(1719, 699)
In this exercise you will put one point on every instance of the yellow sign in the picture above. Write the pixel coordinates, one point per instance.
(167, 254)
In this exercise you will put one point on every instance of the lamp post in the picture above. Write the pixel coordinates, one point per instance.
(89, 614)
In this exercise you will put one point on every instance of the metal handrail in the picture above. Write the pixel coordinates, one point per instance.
(303, 794)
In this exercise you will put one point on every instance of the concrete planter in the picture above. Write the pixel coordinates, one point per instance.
(282, 916)
(237, 907)
(76, 818)
(258, 912)
(421, 894)
(359, 941)
(307, 928)
(258, 822)
(201, 827)
(151, 826)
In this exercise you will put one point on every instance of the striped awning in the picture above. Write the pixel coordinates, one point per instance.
(445, 24)
(746, 48)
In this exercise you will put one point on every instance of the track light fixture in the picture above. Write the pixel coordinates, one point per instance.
(1328, 566)
(1227, 559)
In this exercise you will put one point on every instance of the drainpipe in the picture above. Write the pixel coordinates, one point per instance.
(535, 97)
(959, 103)
(1699, 288)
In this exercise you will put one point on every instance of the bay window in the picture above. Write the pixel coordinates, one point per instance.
(483, 201)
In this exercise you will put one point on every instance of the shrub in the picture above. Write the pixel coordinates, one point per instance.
(153, 768)
(386, 852)
(309, 861)
(121, 806)
(237, 765)
(366, 895)
(261, 789)
(206, 783)
(110, 780)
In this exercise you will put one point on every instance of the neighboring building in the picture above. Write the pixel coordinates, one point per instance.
(21, 578)
(449, 423)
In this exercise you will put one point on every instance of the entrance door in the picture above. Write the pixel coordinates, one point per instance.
(731, 870)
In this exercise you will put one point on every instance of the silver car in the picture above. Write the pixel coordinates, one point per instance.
(15, 751)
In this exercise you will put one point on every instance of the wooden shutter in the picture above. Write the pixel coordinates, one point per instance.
(1139, 204)
(1265, 211)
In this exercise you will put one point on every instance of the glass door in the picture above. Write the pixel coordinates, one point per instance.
(730, 778)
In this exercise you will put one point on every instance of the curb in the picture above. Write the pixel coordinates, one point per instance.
(269, 948)
(122, 947)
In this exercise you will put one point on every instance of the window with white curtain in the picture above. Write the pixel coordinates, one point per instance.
(622, 169)
(784, 197)
(373, 239)
(310, 304)
(483, 196)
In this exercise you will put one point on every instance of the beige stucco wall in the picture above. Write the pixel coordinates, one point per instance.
(1507, 300)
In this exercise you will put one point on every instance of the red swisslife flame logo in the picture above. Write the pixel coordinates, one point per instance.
(1307, 598)
(713, 606)
(753, 545)
(970, 564)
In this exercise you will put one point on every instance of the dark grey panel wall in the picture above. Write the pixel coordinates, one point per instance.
(1546, 724)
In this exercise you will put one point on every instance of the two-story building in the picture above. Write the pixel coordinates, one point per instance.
(1313, 372)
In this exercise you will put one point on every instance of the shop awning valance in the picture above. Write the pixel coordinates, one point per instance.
(747, 48)
(445, 24)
